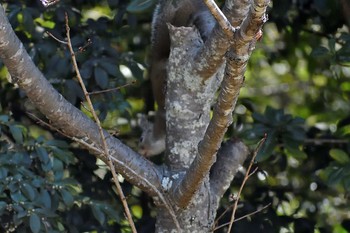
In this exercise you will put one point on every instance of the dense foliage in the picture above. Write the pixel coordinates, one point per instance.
(297, 91)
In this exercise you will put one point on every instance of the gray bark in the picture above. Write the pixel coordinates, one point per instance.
(183, 188)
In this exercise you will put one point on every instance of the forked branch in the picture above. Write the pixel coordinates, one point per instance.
(236, 63)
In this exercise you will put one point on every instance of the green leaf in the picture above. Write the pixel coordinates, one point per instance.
(34, 223)
(101, 77)
(259, 118)
(28, 191)
(45, 199)
(98, 214)
(57, 143)
(63, 155)
(42, 154)
(4, 118)
(331, 44)
(28, 21)
(267, 148)
(347, 184)
(3, 206)
(137, 211)
(273, 116)
(110, 68)
(296, 153)
(17, 196)
(57, 165)
(111, 212)
(67, 197)
(335, 175)
(46, 166)
(319, 52)
(138, 6)
(3, 173)
(258, 131)
(16, 133)
(339, 155)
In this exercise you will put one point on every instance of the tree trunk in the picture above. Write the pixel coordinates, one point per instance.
(198, 168)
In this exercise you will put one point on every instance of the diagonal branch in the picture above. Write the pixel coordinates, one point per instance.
(64, 116)
(220, 17)
(211, 56)
(98, 122)
(236, 63)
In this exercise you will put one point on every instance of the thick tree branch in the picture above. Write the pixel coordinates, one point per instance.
(231, 156)
(64, 116)
(236, 11)
(244, 42)
(211, 56)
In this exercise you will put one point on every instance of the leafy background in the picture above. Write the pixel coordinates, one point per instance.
(297, 91)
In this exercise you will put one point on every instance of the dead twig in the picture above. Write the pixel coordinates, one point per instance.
(99, 150)
(104, 143)
(112, 89)
(244, 216)
(233, 199)
(55, 38)
(246, 177)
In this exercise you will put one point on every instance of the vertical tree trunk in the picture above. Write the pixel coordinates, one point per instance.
(188, 102)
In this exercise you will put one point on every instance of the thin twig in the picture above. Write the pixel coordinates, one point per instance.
(244, 216)
(253, 172)
(246, 177)
(230, 206)
(112, 89)
(55, 38)
(105, 147)
(82, 48)
(99, 151)
(220, 18)
(43, 123)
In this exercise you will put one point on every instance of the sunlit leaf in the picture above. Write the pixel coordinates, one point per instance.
(339, 155)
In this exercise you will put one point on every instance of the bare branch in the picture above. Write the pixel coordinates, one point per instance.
(55, 38)
(243, 217)
(246, 177)
(236, 64)
(65, 116)
(97, 120)
(112, 89)
(220, 17)
(211, 56)
(231, 156)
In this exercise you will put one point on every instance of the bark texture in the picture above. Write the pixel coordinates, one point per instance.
(198, 168)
